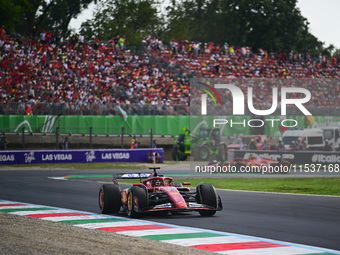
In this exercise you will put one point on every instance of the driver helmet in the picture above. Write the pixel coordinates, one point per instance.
(156, 182)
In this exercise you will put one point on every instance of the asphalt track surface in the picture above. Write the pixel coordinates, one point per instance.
(309, 220)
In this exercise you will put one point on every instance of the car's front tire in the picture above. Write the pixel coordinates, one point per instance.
(109, 198)
(208, 196)
(136, 201)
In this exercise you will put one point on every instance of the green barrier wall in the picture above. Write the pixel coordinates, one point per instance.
(161, 125)
(226, 130)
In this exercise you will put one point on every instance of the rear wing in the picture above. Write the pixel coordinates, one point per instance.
(139, 176)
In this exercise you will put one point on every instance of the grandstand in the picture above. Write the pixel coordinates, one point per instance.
(73, 78)
(94, 78)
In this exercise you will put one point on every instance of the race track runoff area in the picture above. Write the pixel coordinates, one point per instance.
(208, 240)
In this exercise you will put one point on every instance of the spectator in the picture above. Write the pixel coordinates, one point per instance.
(301, 144)
(82, 75)
(292, 146)
(137, 143)
(280, 146)
(2, 32)
(28, 109)
(252, 144)
(133, 142)
(154, 145)
(266, 145)
(258, 143)
(327, 146)
(157, 157)
(122, 43)
(242, 145)
(3, 142)
(64, 144)
(43, 37)
(34, 32)
(81, 38)
(151, 157)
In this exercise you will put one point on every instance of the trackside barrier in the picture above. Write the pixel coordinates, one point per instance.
(78, 156)
(294, 157)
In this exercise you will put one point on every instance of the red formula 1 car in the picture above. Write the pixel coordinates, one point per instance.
(256, 161)
(259, 163)
(158, 193)
(253, 164)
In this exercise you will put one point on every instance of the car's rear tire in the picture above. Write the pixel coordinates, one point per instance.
(109, 198)
(208, 196)
(238, 166)
(226, 167)
(136, 201)
(285, 166)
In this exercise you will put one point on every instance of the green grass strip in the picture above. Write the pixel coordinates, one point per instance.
(25, 209)
(89, 221)
(181, 236)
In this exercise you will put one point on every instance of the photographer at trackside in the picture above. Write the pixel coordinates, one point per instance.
(327, 147)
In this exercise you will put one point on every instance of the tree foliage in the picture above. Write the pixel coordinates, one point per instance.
(134, 19)
(55, 15)
(270, 24)
(10, 13)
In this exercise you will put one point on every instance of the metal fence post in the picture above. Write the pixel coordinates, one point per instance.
(57, 138)
(23, 138)
(151, 138)
(91, 137)
(122, 138)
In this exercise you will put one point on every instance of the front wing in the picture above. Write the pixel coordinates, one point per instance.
(191, 206)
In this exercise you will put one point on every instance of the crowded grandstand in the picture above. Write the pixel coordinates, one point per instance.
(44, 75)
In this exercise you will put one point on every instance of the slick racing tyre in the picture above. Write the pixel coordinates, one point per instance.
(285, 166)
(109, 198)
(208, 196)
(136, 201)
(226, 167)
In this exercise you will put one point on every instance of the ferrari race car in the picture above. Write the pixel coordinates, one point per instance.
(256, 161)
(253, 164)
(157, 194)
